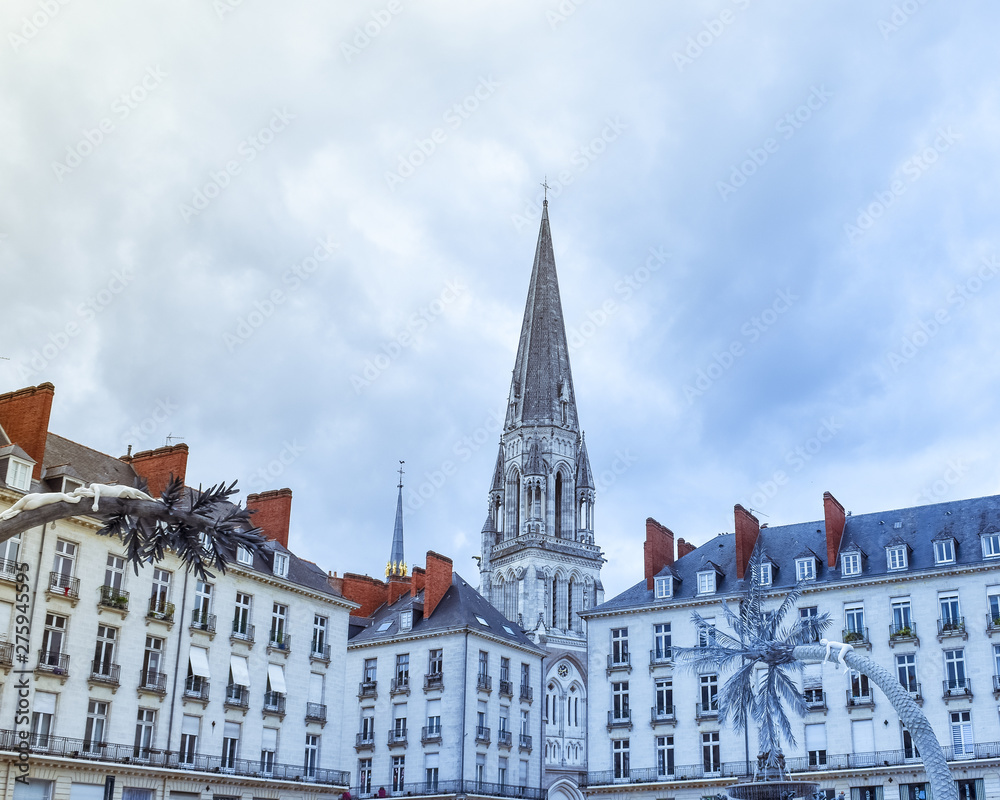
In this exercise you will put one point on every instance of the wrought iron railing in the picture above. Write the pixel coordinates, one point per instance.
(237, 696)
(364, 741)
(400, 685)
(10, 740)
(274, 703)
(243, 631)
(664, 656)
(9, 569)
(279, 640)
(105, 672)
(620, 718)
(902, 631)
(53, 661)
(203, 621)
(527, 693)
(397, 737)
(506, 688)
(484, 683)
(856, 636)
(114, 598)
(160, 610)
(524, 742)
(951, 626)
(433, 788)
(196, 688)
(430, 733)
(503, 738)
(316, 711)
(321, 652)
(152, 681)
(367, 688)
(6, 654)
(662, 714)
(64, 585)
(952, 687)
(482, 734)
(434, 680)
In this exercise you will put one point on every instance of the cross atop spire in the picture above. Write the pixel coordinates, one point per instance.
(545, 194)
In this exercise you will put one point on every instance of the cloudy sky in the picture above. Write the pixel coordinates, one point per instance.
(298, 236)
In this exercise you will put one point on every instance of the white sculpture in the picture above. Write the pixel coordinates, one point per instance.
(96, 490)
(33, 501)
(844, 650)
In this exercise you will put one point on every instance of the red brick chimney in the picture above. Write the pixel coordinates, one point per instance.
(272, 512)
(398, 586)
(419, 579)
(24, 415)
(747, 530)
(369, 593)
(683, 548)
(657, 550)
(438, 581)
(833, 513)
(158, 466)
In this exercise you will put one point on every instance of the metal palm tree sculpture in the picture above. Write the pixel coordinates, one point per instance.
(758, 638)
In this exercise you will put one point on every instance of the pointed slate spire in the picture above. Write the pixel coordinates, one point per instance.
(534, 465)
(584, 475)
(541, 390)
(396, 565)
(498, 473)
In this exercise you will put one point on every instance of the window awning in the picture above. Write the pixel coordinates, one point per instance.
(276, 675)
(198, 657)
(44, 703)
(241, 675)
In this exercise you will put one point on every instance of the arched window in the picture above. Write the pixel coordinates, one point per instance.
(569, 604)
(554, 603)
(559, 504)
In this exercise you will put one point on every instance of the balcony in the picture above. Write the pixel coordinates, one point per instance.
(661, 658)
(364, 741)
(707, 710)
(956, 688)
(115, 599)
(815, 699)
(316, 712)
(527, 693)
(279, 642)
(53, 662)
(160, 611)
(152, 681)
(242, 632)
(506, 688)
(319, 652)
(368, 689)
(6, 654)
(9, 570)
(430, 733)
(504, 739)
(196, 688)
(203, 621)
(59, 746)
(400, 685)
(902, 634)
(274, 703)
(397, 738)
(866, 700)
(619, 661)
(64, 586)
(237, 697)
(857, 638)
(622, 718)
(484, 683)
(915, 694)
(482, 734)
(951, 626)
(105, 673)
(663, 715)
(996, 687)
(524, 743)
(433, 680)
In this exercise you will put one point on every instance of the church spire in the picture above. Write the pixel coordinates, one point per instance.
(397, 566)
(541, 391)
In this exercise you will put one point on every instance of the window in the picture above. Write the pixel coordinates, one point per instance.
(202, 603)
(399, 721)
(954, 670)
(18, 475)
(484, 664)
(364, 776)
(664, 756)
(706, 582)
(619, 646)
(268, 748)
(961, 733)
(901, 620)
(244, 556)
(504, 669)
(896, 557)
(765, 574)
(145, 728)
(281, 565)
(402, 670)
(805, 569)
(230, 744)
(52, 641)
(909, 748)
(405, 620)
(951, 613)
(662, 649)
(435, 662)
(431, 771)
(809, 616)
(944, 551)
(370, 669)
(190, 726)
(97, 720)
(993, 601)
(159, 593)
(8, 553)
(996, 660)
(709, 693)
(242, 628)
(906, 671)
(502, 773)
(863, 735)
(860, 689)
(398, 768)
(850, 564)
(663, 692)
(311, 760)
(43, 710)
(114, 572)
(104, 651)
(706, 635)
(816, 744)
(279, 620)
(480, 770)
(434, 717)
(525, 722)
(991, 545)
(320, 625)
(619, 701)
(522, 774)
(620, 758)
(710, 755)
(663, 587)
(64, 564)
(854, 624)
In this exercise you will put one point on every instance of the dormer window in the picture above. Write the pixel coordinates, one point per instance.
(850, 564)
(405, 620)
(805, 569)
(663, 588)
(706, 582)
(281, 565)
(944, 551)
(764, 576)
(244, 556)
(18, 474)
(895, 556)
(991, 545)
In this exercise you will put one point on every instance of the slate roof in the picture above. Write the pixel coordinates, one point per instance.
(541, 368)
(962, 520)
(458, 609)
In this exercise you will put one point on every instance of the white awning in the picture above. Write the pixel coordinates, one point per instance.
(231, 730)
(44, 703)
(269, 739)
(276, 674)
(190, 725)
(198, 657)
(241, 674)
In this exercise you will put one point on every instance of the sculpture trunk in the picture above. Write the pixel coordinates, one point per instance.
(935, 765)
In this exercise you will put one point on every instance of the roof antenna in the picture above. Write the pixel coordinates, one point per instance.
(169, 437)
(755, 511)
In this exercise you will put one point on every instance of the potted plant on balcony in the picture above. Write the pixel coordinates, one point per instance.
(902, 633)
(854, 636)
